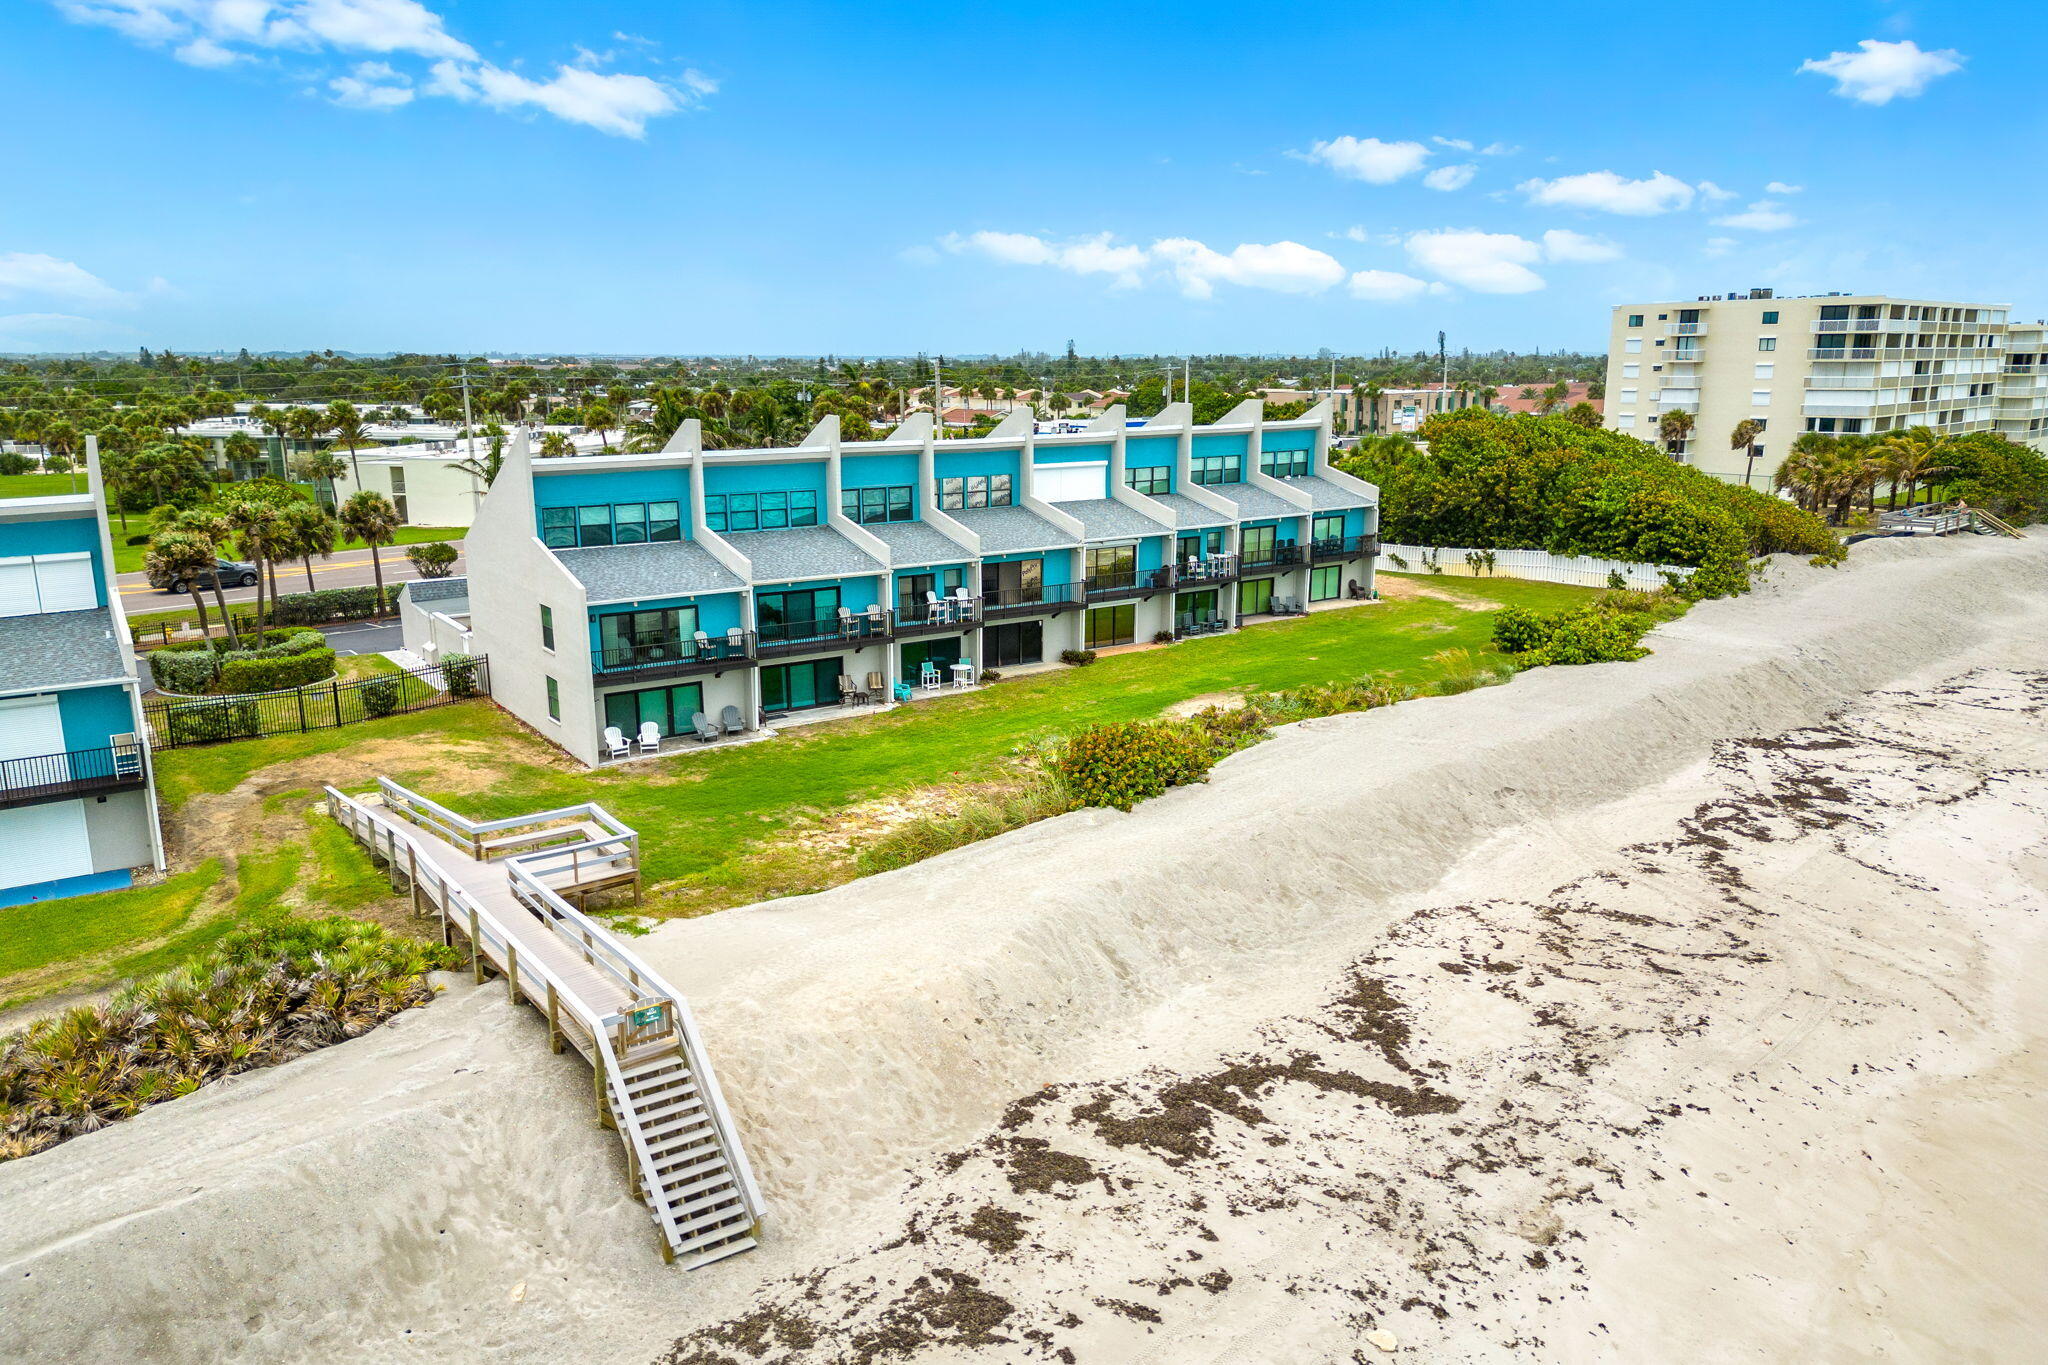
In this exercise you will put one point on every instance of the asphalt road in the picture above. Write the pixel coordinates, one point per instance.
(347, 569)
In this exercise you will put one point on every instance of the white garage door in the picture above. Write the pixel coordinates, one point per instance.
(43, 843)
(64, 582)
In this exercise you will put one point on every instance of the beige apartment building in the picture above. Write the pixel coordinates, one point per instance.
(1838, 363)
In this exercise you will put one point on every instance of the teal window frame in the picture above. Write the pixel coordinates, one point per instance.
(1295, 464)
(1150, 479)
(873, 506)
(1210, 470)
(773, 510)
(976, 490)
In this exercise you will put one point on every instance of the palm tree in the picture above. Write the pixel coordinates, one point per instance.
(1743, 442)
(349, 428)
(369, 517)
(181, 557)
(599, 417)
(1673, 428)
(321, 464)
(260, 537)
(1808, 469)
(309, 529)
(554, 444)
(1910, 458)
(215, 531)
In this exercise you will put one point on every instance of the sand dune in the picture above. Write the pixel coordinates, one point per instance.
(1628, 1012)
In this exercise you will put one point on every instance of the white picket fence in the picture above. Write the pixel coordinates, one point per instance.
(1579, 570)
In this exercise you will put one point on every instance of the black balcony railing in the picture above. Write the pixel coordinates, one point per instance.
(1281, 556)
(950, 614)
(675, 658)
(1129, 583)
(77, 772)
(1214, 569)
(1030, 601)
(1343, 547)
(777, 638)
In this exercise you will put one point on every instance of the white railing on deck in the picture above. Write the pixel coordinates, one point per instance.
(1540, 565)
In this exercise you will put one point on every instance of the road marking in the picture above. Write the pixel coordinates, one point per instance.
(299, 570)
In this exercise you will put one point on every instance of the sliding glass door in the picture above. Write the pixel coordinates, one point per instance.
(795, 687)
(627, 638)
(668, 707)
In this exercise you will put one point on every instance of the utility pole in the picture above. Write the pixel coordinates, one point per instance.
(468, 426)
(1443, 361)
(1187, 381)
(938, 413)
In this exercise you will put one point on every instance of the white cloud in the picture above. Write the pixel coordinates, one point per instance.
(1780, 187)
(1718, 246)
(1456, 144)
(1498, 149)
(1882, 71)
(216, 33)
(1562, 245)
(1713, 193)
(372, 85)
(1097, 255)
(1485, 262)
(1369, 159)
(1607, 192)
(1450, 177)
(1355, 233)
(1284, 267)
(32, 273)
(1387, 286)
(1762, 216)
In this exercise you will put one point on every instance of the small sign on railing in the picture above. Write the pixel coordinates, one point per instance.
(649, 1017)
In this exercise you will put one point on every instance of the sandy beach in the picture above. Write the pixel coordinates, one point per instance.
(1679, 1009)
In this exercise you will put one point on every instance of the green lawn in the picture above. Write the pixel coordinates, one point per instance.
(716, 826)
(40, 485)
(292, 577)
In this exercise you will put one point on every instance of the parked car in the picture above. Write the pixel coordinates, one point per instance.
(227, 573)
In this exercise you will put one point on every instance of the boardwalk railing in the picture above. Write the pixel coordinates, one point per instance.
(653, 1080)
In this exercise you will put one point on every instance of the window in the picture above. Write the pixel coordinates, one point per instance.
(1117, 625)
(1766, 368)
(1770, 317)
(558, 527)
(1112, 566)
(664, 521)
(1631, 370)
(629, 523)
(1215, 469)
(1254, 596)
(670, 708)
(1326, 583)
(761, 511)
(1628, 395)
(1198, 545)
(1635, 319)
(976, 490)
(628, 639)
(869, 506)
(1634, 345)
(798, 614)
(1767, 343)
(1284, 464)
(554, 700)
(1625, 421)
(1019, 642)
(594, 525)
(1156, 478)
(547, 629)
(626, 523)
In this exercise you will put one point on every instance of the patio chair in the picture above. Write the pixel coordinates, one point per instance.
(963, 605)
(875, 618)
(1355, 591)
(929, 676)
(650, 737)
(735, 643)
(846, 622)
(851, 692)
(937, 608)
(615, 745)
(701, 723)
(730, 719)
(877, 686)
(703, 645)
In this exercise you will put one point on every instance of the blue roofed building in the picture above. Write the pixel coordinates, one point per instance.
(77, 812)
(737, 587)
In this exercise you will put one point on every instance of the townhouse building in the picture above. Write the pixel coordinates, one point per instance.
(617, 590)
(77, 812)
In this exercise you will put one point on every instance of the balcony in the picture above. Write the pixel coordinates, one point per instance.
(780, 639)
(1282, 556)
(78, 772)
(947, 615)
(1131, 583)
(1343, 547)
(1691, 355)
(1214, 569)
(1849, 325)
(1049, 597)
(1672, 401)
(675, 658)
(1685, 329)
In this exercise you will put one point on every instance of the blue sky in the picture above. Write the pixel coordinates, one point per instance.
(476, 175)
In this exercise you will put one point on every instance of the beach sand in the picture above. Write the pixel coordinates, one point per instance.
(1679, 1009)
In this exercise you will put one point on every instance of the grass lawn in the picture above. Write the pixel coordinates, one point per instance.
(352, 666)
(128, 558)
(41, 485)
(730, 826)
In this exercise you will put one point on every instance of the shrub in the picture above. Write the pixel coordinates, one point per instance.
(380, 695)
(1125, 762)
(975, 819)
(332, 604)
(436, 559)
(13, 462)
(1077, 658)
(276, 674)
(204, 722)
(459, 672)
(1164, 637)
(212, 665)
(1582, 635)
(184, 671)
(263, 995)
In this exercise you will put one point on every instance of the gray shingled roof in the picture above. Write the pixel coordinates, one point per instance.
(1009, 530)
(1329, 497)
(1256, 504)
(1190, 512)
(804, 552)
(914, 542)
(1108, 519)
(436, 589)
(58, 648)
(626, 573)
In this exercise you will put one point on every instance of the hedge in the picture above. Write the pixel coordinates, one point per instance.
(333, 604)
(1583, 635)
(274, 675)
(1123, 763)
(459, 672)
(202, 722)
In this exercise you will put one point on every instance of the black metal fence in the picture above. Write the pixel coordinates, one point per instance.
(181, 722)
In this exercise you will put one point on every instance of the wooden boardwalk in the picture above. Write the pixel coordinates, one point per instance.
(652, 1081)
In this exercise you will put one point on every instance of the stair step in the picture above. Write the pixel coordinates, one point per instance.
(681, 1118)
(689, 1239)
(653, 1114)
(732, 1248)
(703, 1185)
(692, 1166)
(700, 1206)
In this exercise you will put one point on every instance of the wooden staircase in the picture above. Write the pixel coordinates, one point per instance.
(1989, 522)
(681, 1168)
